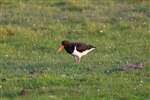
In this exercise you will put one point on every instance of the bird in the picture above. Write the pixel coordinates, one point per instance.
(76, 49)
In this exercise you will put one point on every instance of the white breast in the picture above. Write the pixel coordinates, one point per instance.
(80, 54)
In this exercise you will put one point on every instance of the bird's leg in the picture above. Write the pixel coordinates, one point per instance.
(77, 59)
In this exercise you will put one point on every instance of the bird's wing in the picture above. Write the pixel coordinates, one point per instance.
(82, 47)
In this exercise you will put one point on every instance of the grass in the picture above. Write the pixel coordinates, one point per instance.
(31, 30)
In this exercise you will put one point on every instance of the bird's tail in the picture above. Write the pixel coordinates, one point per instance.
(91, 46)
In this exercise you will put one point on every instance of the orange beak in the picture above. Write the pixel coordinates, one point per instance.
(60, 48)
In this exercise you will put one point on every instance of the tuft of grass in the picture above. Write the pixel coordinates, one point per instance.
(7, 31)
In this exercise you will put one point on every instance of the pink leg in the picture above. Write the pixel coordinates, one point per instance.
(77, 59)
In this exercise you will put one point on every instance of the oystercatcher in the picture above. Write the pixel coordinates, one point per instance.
(76, 49)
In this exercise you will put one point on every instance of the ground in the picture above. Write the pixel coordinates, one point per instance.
(31, 31)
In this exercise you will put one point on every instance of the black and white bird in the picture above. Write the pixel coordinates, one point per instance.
(76, 49)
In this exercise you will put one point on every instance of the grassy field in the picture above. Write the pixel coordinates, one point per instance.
(31, 31)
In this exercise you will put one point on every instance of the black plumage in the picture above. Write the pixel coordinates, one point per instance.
(69, 46)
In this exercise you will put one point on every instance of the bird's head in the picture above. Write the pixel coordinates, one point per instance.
(62, 45)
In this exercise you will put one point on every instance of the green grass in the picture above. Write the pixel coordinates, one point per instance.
(31, 31)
